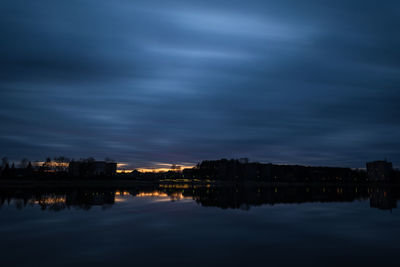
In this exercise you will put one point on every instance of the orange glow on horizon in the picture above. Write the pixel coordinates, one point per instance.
(124, 171)
(158, 167)
(123, 167)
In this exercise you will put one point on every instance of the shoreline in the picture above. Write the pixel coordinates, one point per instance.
(90, 183)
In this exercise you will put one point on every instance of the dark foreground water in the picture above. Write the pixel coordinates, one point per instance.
(184, 225)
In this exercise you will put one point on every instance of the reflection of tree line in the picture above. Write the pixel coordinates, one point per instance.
(54, 199)
(234, 196)
(246, 197)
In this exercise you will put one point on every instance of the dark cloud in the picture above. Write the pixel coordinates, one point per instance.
(311, 82)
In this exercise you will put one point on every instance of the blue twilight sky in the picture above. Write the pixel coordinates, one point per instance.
(146, 82)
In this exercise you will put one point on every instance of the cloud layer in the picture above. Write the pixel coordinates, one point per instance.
(309, 82)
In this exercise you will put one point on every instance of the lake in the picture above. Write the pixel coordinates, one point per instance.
(200, 225)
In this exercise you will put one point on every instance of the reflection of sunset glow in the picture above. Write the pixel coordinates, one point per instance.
(121, 196)
(120, 199)
(162, 196)
(183, 186)
(152, 194)
(175, 186)
(51, 200)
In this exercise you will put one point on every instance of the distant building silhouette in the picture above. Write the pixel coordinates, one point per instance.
(242, 170)
(382, 198)
(92, 168)
(233, 170)
(380, 171)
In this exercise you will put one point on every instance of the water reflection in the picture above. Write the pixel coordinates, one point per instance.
(232, 196)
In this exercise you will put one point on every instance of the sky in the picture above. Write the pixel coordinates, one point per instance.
(148, 83)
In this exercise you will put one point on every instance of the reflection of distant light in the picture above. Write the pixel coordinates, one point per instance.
(119, 199)
(122, 193)
(121, 196)
(162, 196)
(152, 194)
(175, 186)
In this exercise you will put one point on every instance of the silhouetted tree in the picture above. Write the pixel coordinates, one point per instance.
(23, 163)
(4, 162)
(12, 170)
(6, 170)
(29, 169)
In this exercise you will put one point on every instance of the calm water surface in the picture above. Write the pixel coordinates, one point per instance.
(185, 226)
